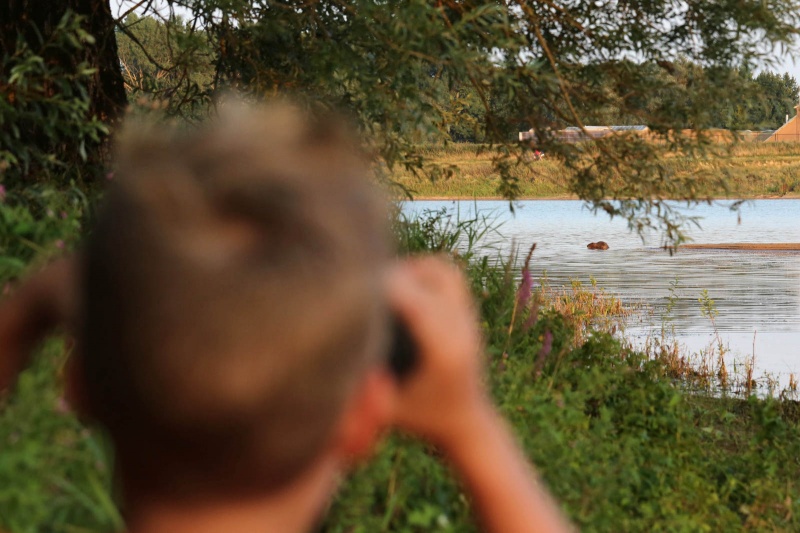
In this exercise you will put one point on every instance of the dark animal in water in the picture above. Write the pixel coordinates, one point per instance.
(599, 245)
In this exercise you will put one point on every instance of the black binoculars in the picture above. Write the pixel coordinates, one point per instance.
(403, 350)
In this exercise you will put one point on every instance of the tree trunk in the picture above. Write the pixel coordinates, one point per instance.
(34, 20)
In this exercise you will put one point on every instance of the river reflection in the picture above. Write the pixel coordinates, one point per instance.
(757, 293)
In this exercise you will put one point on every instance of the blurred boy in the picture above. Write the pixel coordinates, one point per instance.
(232, 314)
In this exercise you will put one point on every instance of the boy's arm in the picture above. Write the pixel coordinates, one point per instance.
(41, 303)
(444, 401)
(504, 488)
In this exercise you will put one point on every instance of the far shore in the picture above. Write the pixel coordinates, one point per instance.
(776, 246)
(573, 197)
(750, 170)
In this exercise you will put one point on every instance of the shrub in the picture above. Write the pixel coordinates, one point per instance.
(621, 444)
(36, 224)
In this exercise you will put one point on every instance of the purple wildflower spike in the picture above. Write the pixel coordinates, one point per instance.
(62, 407)
(547, 347)
(533, 316)
(547, 344)
(525, 288)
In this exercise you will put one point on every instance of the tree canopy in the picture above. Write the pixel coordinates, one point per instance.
(414, 71)
(778, 95)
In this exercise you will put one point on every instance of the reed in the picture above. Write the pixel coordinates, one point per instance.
(589, 310)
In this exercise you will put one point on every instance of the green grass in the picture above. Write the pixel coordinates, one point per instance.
(54, 473)
(751, 170)
(625, 440)
(621, 441)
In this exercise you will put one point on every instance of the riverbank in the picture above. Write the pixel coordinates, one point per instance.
(626, 439)
(774, 246)
(573, 197)
(752, 170)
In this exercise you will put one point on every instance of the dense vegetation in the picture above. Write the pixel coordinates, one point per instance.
(164, 59)
(420, 71)
(626, 440)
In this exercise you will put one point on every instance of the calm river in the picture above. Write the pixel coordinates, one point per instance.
(757, 293)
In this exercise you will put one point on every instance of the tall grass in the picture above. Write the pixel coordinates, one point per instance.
(585, 310)
(622, 437)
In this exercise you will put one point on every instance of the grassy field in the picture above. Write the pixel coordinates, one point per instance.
(753, 170)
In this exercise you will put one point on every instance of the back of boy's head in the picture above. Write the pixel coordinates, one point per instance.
(232, 299)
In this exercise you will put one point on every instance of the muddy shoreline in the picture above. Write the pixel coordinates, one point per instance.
(779, 246)
(574, 197)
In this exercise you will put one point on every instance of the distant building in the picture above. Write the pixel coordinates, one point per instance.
(574, 134)
(789, 132)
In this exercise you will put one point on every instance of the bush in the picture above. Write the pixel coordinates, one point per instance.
(36, 224)
(54, 473)
(621, 444)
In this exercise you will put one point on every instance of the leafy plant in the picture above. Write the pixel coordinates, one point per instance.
(38, 224)
(622, 443)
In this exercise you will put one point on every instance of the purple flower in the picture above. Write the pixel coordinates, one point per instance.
(2, 193)
(60, 244)
(547, 345)
(525, 287)
(533, 316)
(62, 407)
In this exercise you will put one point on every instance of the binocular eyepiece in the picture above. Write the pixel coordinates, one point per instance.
(403, 350)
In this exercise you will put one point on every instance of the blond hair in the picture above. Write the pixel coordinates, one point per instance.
(233, 296)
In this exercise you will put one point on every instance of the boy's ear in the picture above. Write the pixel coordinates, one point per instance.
(366, 416)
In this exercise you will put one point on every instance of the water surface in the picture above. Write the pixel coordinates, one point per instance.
(756, 293)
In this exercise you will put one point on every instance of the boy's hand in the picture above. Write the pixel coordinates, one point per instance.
(443, 400)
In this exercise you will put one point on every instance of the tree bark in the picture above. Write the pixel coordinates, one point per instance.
(34, 21)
